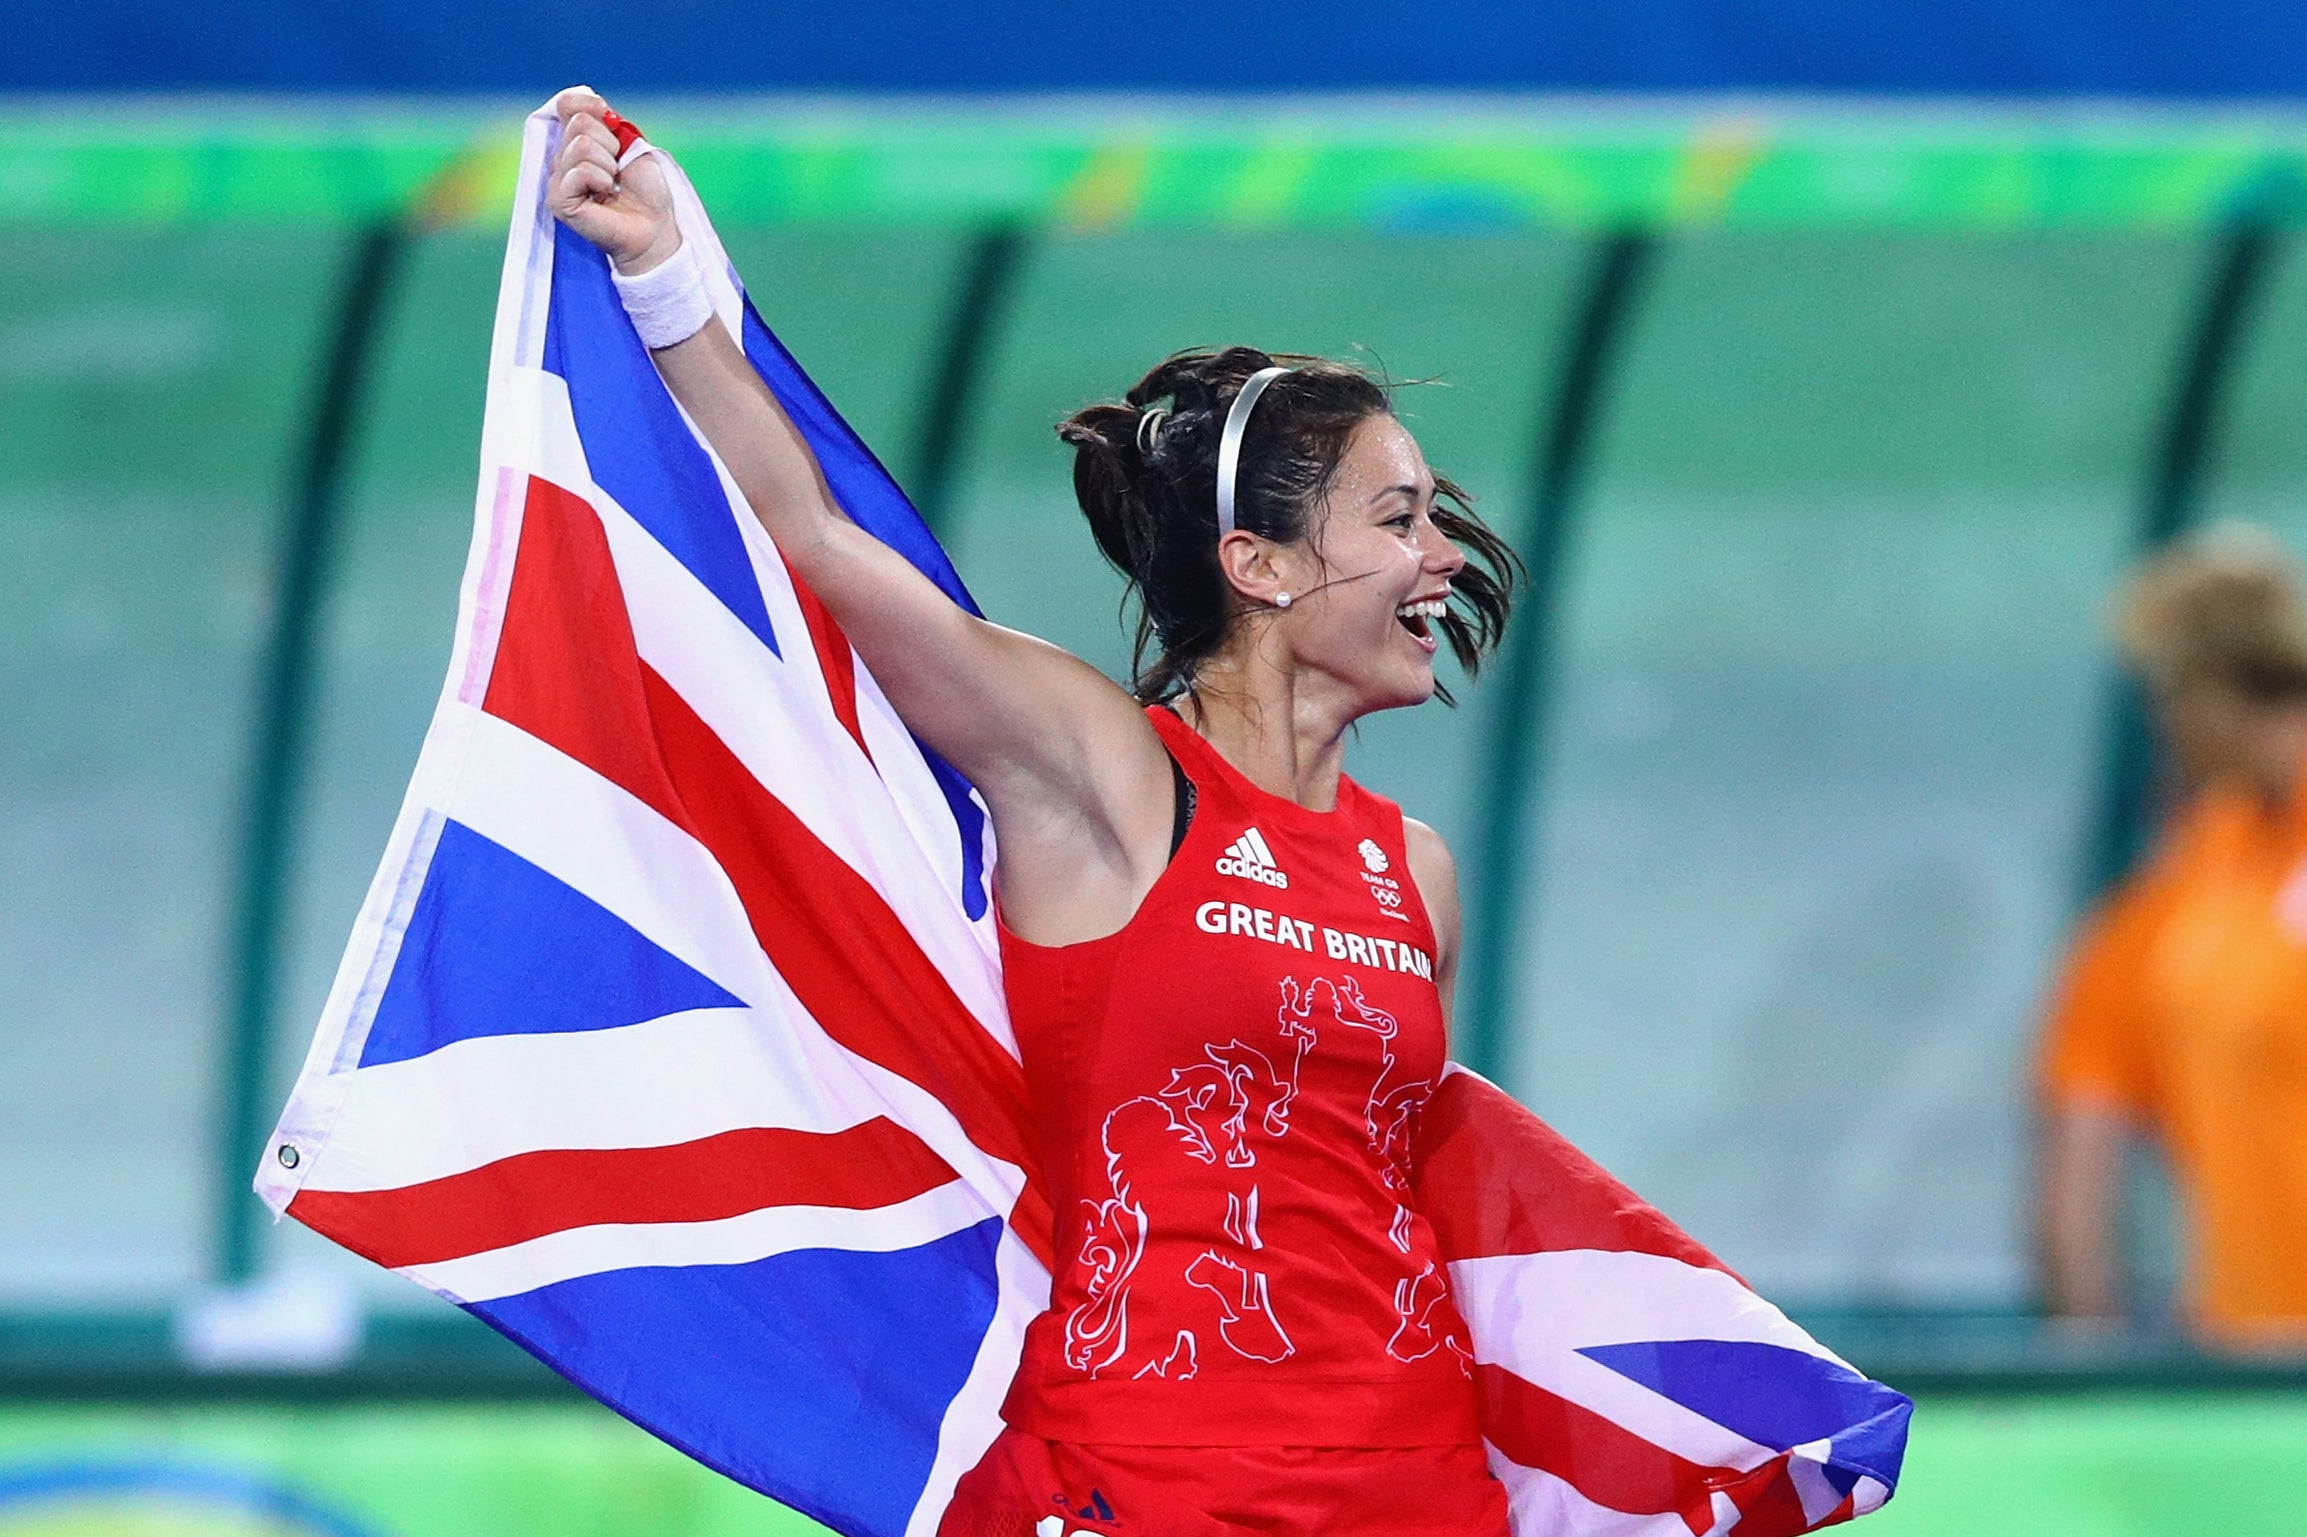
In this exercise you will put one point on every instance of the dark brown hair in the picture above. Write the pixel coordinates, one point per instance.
(1149, 490)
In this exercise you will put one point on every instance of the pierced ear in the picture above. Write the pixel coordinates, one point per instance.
(1252, 567)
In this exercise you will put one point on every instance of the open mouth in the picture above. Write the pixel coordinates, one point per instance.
(1420, 617)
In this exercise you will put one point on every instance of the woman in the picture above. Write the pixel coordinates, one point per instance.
(1227, 964)
(2182, 1016)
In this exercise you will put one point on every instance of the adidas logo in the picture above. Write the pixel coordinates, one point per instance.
(1249, 858)
(1096, 1510)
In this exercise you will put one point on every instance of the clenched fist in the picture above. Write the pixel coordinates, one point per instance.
(629, 213)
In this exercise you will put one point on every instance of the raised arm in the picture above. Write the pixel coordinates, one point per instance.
(1076, 779)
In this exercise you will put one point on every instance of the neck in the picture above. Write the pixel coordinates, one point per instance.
(1285, 731)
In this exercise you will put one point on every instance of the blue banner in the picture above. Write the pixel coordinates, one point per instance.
(2213, 49)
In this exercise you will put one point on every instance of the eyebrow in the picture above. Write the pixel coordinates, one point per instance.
(1414, 493)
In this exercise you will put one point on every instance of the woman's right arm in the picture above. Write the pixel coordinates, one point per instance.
(2096, 1092)
(2079, 1209)
(1077, 780)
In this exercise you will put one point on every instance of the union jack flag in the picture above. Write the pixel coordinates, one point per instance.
(671, 1042)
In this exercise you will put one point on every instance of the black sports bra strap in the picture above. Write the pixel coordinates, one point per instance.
(1182, 817)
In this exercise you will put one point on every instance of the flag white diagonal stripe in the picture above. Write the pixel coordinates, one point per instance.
(655, 1084)
(1599, 1297)
(595, 836)
(757, 1235)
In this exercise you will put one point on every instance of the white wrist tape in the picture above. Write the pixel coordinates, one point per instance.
(668, 303)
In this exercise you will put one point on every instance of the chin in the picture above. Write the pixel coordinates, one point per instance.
(1402, 693)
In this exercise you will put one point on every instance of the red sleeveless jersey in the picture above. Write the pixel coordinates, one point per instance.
(1225, 1091)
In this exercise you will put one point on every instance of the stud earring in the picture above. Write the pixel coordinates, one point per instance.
(1281, 600)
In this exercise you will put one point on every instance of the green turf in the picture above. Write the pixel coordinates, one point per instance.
(2149, 1465)
(2144, 1465)
(402, 1471)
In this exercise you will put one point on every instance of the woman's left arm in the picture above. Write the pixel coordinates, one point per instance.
(1437, 876)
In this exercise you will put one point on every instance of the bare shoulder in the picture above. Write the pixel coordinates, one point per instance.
(1427, 851)
(1436, 873)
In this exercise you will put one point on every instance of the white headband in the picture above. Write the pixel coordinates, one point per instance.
(1230, 442)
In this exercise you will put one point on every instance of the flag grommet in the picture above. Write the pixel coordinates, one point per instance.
(288, 1156)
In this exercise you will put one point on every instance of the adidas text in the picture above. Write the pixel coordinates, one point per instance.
(1250, 858)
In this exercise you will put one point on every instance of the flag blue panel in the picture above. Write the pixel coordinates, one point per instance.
(867, 491)
(495, 946)
(871, 496)
(819, 1377)
(969, 822)
(1770, 1394)
(636, 444)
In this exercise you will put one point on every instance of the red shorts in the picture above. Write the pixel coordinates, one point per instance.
(1226, 1491)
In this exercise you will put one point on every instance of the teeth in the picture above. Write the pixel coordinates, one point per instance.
(1432, 608)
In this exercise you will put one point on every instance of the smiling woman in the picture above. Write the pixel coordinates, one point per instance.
(1322, 460)
(1250, 1326)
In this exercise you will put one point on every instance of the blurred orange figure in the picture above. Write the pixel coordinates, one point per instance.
(2182, 1014)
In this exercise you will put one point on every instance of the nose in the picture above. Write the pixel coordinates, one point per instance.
(1438, 553)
